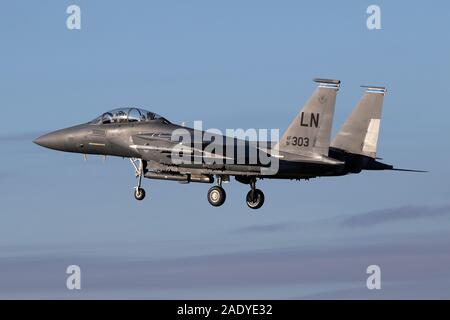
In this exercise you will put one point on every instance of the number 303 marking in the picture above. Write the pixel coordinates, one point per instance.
(300, 141)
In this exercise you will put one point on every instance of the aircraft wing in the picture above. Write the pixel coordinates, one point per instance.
(161, 143)
(152, 144)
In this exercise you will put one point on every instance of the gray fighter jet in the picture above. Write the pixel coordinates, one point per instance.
(159, 149)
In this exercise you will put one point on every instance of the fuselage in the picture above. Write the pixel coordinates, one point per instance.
(145, 140)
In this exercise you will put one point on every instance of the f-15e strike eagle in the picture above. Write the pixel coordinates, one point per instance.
(159, 149)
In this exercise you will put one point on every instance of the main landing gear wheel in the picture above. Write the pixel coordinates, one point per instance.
(139, 193)
(255, 199)
(216, 196)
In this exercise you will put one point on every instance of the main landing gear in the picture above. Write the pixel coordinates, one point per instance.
(255, 197)
(138, 164)
(217, 195)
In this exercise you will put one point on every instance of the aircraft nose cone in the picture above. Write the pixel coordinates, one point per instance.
(53, 140)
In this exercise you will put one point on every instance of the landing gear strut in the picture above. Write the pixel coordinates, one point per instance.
(217, 195)
(138, 164)
(255, 197)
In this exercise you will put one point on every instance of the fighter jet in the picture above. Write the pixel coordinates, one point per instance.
(159, 149)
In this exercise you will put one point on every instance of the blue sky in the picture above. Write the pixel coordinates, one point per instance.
(232, 64)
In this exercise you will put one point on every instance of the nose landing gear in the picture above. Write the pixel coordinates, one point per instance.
(138, 164)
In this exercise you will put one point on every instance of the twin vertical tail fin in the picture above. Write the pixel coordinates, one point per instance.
(310, 131)
(359, 134)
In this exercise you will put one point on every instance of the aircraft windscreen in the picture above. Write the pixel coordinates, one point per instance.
(127, 115)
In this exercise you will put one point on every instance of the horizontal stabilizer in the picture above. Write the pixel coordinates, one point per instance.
(408, 170)
(373, 164)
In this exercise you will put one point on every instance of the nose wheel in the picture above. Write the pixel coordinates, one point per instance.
(139, 192)
(255, 197)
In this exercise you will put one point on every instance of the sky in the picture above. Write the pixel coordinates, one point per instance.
(231, 64)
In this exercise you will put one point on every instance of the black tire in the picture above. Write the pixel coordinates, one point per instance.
(216, 196)
(257, 201)
(139, 194)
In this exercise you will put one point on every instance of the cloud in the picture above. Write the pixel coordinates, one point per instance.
(366, 219)
(395, 214)
(267, 228)
(273, 273)
(416, 289)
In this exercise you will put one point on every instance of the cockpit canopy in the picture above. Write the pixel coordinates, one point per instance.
(126, 115)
